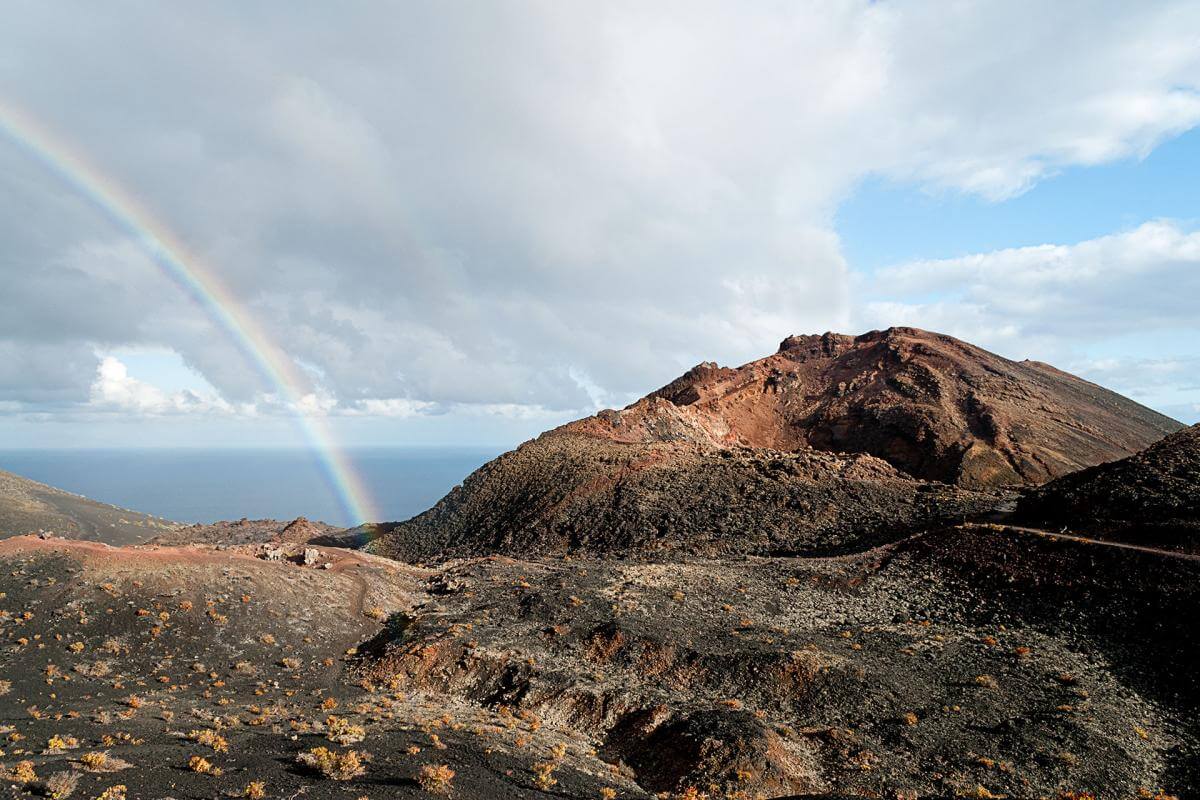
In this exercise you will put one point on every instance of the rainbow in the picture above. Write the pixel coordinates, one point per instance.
(203, 287)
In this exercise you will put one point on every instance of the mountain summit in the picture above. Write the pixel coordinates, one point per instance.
(930, 405)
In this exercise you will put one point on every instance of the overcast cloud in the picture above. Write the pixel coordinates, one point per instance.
(527, 208)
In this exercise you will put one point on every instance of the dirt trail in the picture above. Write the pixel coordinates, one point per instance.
(1070, 537)
(360, 583)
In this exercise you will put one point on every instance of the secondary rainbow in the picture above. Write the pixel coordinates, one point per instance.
(203, 286)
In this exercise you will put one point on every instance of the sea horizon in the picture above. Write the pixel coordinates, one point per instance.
(255, 482)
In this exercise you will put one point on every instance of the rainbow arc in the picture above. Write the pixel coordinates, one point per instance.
(204, 287)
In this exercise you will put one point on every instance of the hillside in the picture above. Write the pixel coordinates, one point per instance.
(1150, 498)
(248, 531)
(832, 443)
(566, 492)
(30, 507)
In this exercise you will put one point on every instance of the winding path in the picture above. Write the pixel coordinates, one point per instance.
(1070, 537)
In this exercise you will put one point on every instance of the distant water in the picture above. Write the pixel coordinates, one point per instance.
(196, 485)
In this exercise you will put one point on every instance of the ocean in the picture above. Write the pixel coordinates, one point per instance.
(200, 485)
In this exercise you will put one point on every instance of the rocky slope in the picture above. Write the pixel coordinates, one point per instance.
(832, 443)
(194, 673)
(1150, 498)
(963, 663)
(30, 507)
(567, 492)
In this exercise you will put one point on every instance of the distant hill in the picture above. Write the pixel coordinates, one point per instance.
(1150, 498)
(251, 531)
(30, 507)
(831, 443)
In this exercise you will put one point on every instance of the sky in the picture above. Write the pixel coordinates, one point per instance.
(464, 223)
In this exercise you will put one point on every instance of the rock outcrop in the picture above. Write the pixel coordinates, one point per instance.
(250, 531)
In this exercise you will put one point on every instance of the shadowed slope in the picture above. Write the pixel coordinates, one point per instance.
(564, 492)
(1152, 497)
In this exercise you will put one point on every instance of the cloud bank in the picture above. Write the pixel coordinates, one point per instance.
(553, 206)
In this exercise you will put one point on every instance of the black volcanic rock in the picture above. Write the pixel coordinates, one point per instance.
(565, 492)
(1151, 498)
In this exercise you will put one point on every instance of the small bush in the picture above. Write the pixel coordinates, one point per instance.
(544, 774)
(61, 785)
(210, 738)
(103, 762)
(341, 731)
(203, 766)
(58, 743)
(436, 779)
(338, 766)
(21, 773)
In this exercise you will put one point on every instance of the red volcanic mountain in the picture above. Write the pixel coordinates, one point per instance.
(833, 442)
(930, 405)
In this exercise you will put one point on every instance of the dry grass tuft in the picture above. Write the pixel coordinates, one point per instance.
(203, 766)
(338, 766)
(61, 785)
(21, 773)
(436, 779)
(342, 731)
(209, 738)
(103, 762)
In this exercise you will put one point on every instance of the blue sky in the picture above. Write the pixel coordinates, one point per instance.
(886, 222)
(466, 230)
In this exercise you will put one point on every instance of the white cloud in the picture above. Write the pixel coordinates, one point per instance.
(390, 407)
(430, 210)
(116, 390)
(1141, 280)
